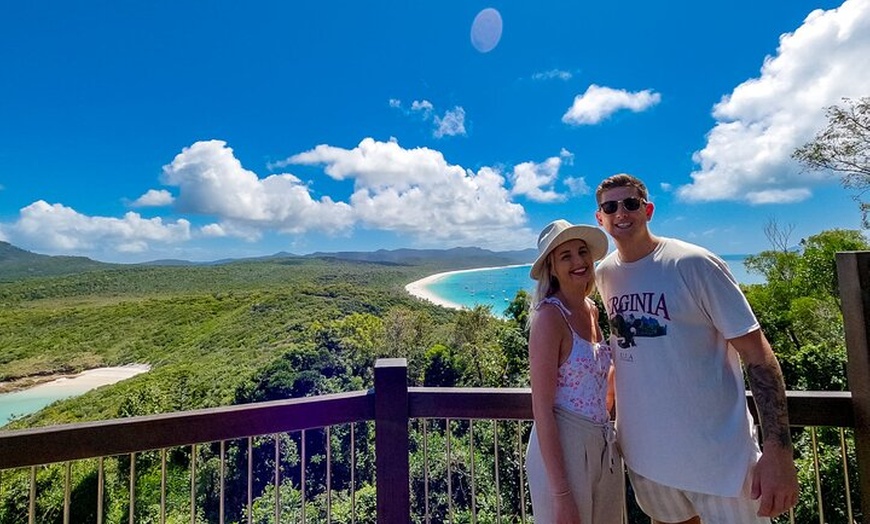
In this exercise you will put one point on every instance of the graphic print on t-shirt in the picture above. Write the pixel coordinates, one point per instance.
(637, 315)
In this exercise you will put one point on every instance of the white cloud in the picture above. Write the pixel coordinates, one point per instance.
(577, 186)
(423, 106)
(377, 164)
(536, 181)
(212, 182)
(154, 198)
(213, 230)
(451, 124)
(411, 192)
(552, 74)
(778, 196)
(57, 228)
(759, 125)
(598, 103)
(416, 192)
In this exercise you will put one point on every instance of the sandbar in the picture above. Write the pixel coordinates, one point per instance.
(86, 380)
(94, 378)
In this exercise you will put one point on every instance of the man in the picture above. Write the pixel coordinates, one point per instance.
(680, 327)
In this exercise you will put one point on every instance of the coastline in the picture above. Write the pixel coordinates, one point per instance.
(33, 395)
(419, 288)
(89, 379)
(423, 288)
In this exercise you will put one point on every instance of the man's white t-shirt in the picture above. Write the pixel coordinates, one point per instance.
(682, 416)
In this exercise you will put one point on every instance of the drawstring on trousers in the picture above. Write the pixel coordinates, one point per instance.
(610, 440)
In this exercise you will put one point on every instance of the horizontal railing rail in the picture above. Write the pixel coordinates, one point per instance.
(391, 405)
(61, 443)
(806, 408)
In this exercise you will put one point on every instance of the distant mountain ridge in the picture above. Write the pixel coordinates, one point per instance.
(16, 263)
(468, 255)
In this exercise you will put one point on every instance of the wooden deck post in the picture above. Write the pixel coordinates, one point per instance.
(392, 441)
(853, 272)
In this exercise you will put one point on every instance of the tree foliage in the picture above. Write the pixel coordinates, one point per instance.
(799, 306)
(844, 148)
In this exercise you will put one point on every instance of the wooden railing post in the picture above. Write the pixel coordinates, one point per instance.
(853, 272)
(392, 441)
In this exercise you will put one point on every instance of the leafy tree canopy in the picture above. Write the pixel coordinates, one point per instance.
(844, 148)
(799, 305)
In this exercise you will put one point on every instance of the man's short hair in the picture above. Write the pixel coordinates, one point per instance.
(621, 180)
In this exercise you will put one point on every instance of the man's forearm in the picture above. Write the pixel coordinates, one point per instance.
(768, 390)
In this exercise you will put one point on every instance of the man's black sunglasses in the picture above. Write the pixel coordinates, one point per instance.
(630, 204)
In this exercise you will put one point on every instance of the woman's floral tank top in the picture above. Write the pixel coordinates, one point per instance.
(581, 384)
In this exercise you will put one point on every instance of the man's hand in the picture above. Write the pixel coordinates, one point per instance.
(775, 480)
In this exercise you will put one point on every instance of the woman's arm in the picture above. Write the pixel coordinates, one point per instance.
(547, 336)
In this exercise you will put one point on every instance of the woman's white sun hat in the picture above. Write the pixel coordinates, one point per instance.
(560, 231)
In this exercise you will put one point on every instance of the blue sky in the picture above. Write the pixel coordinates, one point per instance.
(135, 131)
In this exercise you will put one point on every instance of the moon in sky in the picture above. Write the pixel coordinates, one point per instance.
(486, 30)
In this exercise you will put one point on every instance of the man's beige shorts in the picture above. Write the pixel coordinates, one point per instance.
(667, 504)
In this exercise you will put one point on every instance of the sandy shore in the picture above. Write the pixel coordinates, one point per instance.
(419, 288)
(86, 380)
(94, 378)
(24, 400)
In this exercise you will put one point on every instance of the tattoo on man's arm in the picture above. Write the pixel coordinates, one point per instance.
(768, 390)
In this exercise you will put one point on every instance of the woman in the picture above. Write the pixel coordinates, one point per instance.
(574, 472)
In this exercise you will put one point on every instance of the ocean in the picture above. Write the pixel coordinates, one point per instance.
(496, 287)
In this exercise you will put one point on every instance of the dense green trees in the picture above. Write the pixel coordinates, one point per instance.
(799, 307)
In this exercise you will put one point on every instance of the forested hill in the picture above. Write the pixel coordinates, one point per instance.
(16, 263)
(453, 258)
(460, 257)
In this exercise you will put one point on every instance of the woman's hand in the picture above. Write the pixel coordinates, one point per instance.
(567, 511)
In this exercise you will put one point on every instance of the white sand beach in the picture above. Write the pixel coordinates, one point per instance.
(31, 399)
(419, 288)
(93, 378)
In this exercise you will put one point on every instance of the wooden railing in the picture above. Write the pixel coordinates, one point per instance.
(853, 272)
(392, 406)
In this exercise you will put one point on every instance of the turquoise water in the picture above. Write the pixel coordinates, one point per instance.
(488, 287)
(19, 403)
(498, 286)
